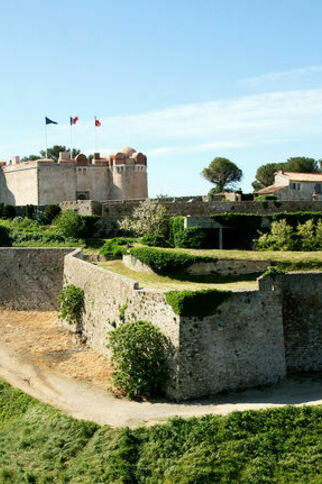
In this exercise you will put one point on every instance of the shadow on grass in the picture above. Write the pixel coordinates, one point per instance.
(214, 278)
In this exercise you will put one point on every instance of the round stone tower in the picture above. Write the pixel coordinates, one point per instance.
(129, 174)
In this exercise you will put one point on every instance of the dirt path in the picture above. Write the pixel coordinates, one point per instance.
(76, 384)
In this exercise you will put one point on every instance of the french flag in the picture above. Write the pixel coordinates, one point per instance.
(73, 120)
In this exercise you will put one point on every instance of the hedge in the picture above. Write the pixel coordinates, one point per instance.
(166, 262)
(196, 303)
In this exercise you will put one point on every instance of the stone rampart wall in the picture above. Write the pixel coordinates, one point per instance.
(252, 338)
(302, 318)
(193, 206)
(110, 299)
(31, 278)
(239, 346)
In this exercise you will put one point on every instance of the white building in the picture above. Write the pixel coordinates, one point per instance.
(295, 186)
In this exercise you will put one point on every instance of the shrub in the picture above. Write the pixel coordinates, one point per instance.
(193, 238)
(196, 303)
(150, 217)
(190, 238)
(117, 246)
(8, 211)
(5, 240)
(139, 359)
(176, 228)
(71, 300)
(260, 198)
(29, 211)
(305, 233)
(90, 225)
(70, 224)
(280, 237)
(155, 240)
(166, 262)
(318, 234)
(50, 213)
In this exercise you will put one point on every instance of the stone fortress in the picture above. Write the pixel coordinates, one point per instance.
(120, 176)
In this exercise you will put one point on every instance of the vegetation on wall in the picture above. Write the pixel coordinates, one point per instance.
(196, 303)
(71, 301)
(189, 238)
(267, 446)
(164, 261)
(139, 359)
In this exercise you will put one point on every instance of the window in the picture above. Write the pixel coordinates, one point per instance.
(295, 186)
(318, 188)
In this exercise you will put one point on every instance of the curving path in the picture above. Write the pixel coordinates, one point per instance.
(87, 401)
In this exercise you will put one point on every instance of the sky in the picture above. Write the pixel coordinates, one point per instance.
(182, 81)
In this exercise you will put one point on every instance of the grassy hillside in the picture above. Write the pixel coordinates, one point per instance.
(39, 444)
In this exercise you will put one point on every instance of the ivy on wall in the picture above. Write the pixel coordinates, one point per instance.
(196, 303)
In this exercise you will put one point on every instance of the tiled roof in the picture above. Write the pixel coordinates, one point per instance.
(271, 189)
(304, 177)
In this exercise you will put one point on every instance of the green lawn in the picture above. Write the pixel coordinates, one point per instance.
(275, 256)
(156, 281)
(39, 444)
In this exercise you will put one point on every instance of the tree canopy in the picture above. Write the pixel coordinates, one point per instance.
(52, 153)
(223, 173)
(302, 164)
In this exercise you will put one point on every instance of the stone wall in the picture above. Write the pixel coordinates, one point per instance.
(31, 278)
(253, 338)
(302, 318)
(240, 346)
(197, 207)
(110, 299)
(225, 267)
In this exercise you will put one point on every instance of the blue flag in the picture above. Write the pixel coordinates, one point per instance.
(49, 121)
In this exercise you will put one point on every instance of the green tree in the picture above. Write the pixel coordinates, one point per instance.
(223, 173)
(70, 224)
(53, 152)
(265, 175)
(150, 217)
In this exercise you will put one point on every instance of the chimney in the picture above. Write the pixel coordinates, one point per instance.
(15, 160)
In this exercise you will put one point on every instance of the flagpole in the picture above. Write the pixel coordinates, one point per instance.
(71, 140)
(46, 139)
(95, 135)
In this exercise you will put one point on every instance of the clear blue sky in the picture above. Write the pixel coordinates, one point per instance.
(183, 81)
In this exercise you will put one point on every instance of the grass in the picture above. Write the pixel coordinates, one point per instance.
(39, 444)
(274, 256)
(183, 281)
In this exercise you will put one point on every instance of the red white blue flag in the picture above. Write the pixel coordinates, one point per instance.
(73, 120)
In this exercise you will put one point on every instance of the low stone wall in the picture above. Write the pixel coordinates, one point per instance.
(190, 206)
(225, 267)
(31, 278)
